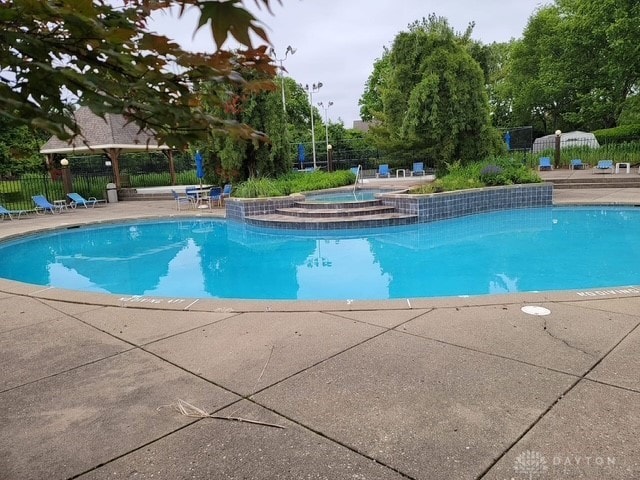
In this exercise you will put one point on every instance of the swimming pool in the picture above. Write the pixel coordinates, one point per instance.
(509, 251)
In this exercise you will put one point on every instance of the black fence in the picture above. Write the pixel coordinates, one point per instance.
(519, 139)
(15, 194)
(586, 149)
(351, 153)
(91, 174)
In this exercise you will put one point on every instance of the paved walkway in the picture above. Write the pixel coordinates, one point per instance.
(461, 388)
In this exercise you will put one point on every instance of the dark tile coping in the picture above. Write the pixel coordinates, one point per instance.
(428, 207)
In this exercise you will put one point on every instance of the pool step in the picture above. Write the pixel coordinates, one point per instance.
(311, 205)
(329, 223)
(326, 216)
(598, 181)
(309, 212)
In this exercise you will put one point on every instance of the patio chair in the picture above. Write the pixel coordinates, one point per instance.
(43, 205)
(576, 164)
(77, 199)
(226, 191)
(383, 171)
(10, 213)
(192, 194)
(418, 169)
(182, 200)
(215, 195)
(603, 166)
(545, 163)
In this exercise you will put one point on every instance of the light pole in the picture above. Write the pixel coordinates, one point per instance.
(556, 158)
(326, 127)
(289, 50)
(66, 177)
(314, 88)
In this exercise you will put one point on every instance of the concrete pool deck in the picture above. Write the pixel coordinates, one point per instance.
(453, 388)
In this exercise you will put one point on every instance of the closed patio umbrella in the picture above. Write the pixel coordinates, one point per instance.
(199, 167)
(301, 155)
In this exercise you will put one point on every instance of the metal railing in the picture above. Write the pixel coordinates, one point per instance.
(16, 194)
(358, 172)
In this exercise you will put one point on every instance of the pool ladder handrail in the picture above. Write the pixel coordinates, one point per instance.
(358, 177)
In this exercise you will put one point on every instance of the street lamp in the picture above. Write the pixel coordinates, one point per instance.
(314, 88)
(66, 176)
(289, 50)
(556, 159)
(326, 126)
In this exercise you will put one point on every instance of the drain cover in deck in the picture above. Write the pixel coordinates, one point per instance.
(534, 310)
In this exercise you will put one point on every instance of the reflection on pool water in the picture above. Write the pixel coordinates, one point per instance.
(509, 251)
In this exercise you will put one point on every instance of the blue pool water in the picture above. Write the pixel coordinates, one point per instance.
(509, 251)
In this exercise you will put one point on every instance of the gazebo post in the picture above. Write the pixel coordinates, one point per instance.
(48, 161)
(114, 154)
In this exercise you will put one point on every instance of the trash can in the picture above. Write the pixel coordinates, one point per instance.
(112, 193)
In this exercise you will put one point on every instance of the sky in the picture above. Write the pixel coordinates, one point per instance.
(338, 41)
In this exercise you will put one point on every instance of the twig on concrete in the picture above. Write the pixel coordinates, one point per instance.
(188, 410)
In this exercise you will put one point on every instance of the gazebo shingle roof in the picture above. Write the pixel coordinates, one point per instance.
(112, 132)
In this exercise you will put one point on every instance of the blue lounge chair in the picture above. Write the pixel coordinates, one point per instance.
(545, 163)
(383, 171)
(182, 200)
(418, 169)
(215, 196)
(77, 199)
(576, 164)
(10, 213)
(43, 205)
(604, 165)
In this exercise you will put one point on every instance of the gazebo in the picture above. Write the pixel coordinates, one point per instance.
(111, 135)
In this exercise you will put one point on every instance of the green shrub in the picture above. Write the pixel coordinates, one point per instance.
(492, 175)
(492, 172)
(293, 182)
(617, 134)
(258, 188)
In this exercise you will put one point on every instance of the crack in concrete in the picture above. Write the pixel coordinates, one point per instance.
(573, 347)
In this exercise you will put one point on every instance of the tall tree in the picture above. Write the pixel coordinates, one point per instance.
(498, 86)
(370, 102)
(19, 149)
(232, 158)
(434, 96)
(104, 57)
(539, 96)
(602, 54)
(577, 65)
